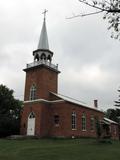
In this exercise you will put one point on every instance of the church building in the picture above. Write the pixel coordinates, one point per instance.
(46, 113)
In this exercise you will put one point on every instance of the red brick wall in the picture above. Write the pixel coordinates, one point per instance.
(45, 126)
(45, 80)
(28, 108)
(114, 131)
(64, 110)
(42, 118)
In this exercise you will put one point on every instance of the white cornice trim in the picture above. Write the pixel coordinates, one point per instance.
(43, 100)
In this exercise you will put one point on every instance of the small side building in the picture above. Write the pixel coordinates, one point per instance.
(110, 128)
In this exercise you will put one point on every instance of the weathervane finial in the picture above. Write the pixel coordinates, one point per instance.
(45, 11)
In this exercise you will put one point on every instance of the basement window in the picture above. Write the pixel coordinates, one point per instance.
(56, 120)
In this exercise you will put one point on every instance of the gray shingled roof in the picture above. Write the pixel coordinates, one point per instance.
(110, 121)
(77, 102)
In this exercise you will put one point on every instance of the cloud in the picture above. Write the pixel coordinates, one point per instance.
(88, 58)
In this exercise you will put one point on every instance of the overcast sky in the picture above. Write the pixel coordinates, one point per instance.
(89, 60)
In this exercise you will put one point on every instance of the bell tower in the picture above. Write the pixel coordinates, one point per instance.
(41, 74)
(41, 79)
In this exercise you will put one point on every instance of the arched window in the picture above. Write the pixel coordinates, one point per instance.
(49, 58)
(31, 115)
(83, 122)
(92, 121)
(73, 120)
(56, 120)
(43, 56)
(36, 57)
(33, 92)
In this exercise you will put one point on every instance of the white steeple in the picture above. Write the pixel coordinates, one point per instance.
(43, 41)
(43, 53)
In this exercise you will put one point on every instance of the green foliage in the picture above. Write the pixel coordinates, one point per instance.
(113, 114)
(9, 112)
(117, 103)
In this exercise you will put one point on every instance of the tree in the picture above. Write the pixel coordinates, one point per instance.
(113, 114)
(117, 102)
(111, 10)
(9, 112)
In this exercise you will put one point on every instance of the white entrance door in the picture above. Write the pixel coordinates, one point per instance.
(31, 124)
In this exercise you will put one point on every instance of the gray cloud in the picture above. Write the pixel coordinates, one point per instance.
(87, 56)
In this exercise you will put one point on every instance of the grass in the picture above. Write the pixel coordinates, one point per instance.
(58, 149)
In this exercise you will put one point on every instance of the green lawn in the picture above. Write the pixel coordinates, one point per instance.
(58, 149)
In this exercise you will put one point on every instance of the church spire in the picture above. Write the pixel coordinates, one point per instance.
(43, 53)
(43, 41)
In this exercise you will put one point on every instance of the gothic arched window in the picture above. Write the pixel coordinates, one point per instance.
(37, 57)
(49, 58)
(43, 56)
(31, 115)
(33, 92)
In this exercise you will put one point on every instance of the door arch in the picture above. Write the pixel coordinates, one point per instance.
(31, 124)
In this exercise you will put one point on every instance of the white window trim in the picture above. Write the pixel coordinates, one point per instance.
(32, 92)
(85, 124)
(57, 124)
(74, 121)
(92, 122)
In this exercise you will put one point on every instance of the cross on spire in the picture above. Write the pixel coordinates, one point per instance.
(45, 11)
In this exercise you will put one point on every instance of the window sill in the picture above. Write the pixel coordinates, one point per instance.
(84, 130)
(74, 129)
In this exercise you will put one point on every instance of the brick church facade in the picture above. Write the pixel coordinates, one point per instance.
(46, 113)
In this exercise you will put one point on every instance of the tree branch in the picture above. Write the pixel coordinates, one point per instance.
(101, 9)
(118, 102)
(108, 2)
(83, 15)
(93, 6)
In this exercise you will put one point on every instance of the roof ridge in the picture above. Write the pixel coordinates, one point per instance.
(72, 98)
